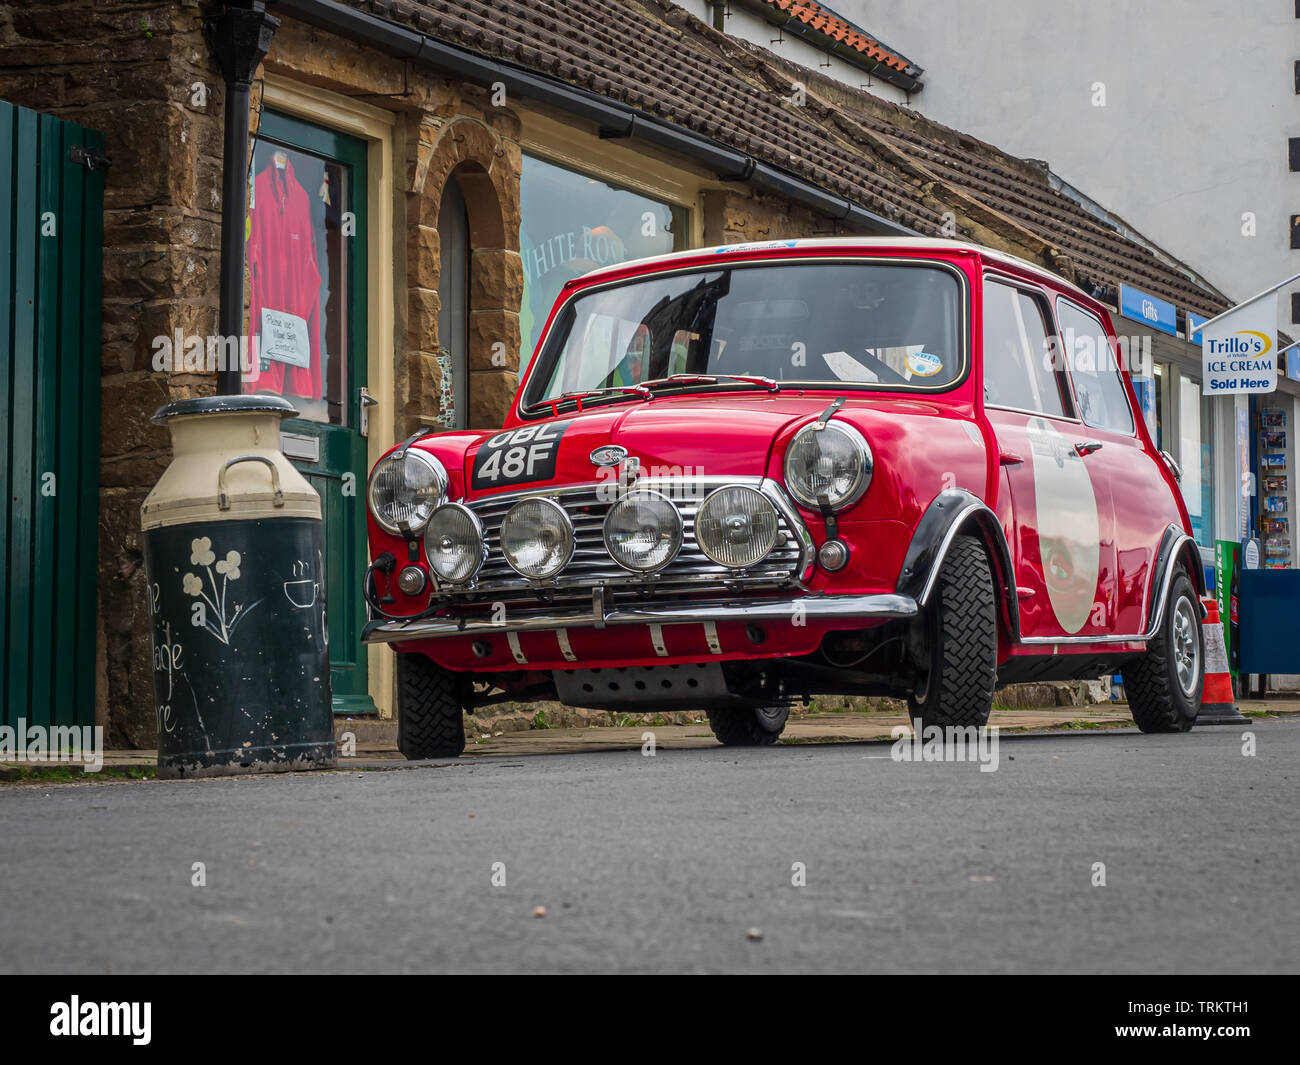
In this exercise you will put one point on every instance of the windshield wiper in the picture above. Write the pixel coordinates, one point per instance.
(710, 378)
(578, 397)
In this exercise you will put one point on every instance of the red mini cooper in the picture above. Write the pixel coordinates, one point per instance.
(739, 477)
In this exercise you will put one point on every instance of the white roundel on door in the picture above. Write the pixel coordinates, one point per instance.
(1069, 532)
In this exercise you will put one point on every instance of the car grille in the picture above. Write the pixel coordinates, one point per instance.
(592, 565)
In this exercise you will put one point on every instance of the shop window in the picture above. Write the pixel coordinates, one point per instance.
(1195, 433)
(572, 223)
(299, 248)
(1018, 364)
(1149, 391)
(453, 307)
(1098, 388)
(1156, 417)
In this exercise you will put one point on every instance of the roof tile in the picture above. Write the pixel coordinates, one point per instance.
(882, 157)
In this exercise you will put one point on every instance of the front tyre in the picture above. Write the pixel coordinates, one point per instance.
(959, 642)
(1164, 685)
(430, 715)
(737, 727)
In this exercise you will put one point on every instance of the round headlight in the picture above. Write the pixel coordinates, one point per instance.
(405, 488)
(454, 544)
(537, 538)
(736, 526)
(835, 462)
(643, 531)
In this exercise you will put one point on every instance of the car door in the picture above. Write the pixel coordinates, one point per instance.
(1117, 455)
(1061, 515)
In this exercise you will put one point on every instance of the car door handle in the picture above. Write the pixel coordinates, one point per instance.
(1087, 447)
(1009, 458)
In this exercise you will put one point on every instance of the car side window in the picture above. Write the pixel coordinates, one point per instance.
(1102, 400)
(1018, 364)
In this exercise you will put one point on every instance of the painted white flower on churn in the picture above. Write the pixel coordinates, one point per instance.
(219, 621)
(201, 552)
(230, 565)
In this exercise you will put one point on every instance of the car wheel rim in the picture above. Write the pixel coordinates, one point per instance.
(1186, 646)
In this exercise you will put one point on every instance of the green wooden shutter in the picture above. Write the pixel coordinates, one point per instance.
(51, 252)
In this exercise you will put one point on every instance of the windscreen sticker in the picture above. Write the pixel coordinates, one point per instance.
(924, 364)
(518, 455)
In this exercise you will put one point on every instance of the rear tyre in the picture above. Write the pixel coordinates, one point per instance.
(960, 641)
(1164, 685)
(430, 716)
(737, 727)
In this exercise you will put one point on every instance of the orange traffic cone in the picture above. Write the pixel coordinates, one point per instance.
(1218, 707)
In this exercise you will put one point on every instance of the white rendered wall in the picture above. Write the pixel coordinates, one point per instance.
(757, 30)
(1199, 103)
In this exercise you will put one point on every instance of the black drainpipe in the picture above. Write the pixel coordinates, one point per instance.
(613, 119)
(238, 35)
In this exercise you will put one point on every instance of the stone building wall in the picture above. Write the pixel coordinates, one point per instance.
(735, 215)
(130, 70)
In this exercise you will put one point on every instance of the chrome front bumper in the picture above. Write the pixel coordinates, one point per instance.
(846, 608)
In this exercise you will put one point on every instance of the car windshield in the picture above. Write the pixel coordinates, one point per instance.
(870, 324)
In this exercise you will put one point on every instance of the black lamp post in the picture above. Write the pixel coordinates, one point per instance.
(238, 34)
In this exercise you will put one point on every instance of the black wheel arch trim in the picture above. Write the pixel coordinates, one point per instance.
(951, 512)
(1175, 546)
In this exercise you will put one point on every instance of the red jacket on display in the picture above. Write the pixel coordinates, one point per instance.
(284, 274)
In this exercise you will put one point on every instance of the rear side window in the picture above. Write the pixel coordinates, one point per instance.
(1102, 401)
(1018, 363)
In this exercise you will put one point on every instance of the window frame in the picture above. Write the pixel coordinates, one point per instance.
(312, 136)
(1046, 307)
(527, 408)
(1133, 413)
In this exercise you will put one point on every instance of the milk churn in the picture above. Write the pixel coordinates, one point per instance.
(235, 564)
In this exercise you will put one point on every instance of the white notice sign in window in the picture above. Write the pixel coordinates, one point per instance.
(284, 338)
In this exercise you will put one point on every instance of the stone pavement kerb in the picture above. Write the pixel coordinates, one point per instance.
(376, 739)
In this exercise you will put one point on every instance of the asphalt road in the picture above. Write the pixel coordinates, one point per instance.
(667, 863)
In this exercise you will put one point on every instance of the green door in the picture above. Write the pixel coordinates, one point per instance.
(51, 236)
(306, 290)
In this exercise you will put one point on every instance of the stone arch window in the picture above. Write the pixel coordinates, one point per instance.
(464, 190)
(453, 307)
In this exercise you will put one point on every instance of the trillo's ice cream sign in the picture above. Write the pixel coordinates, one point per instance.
(1240, 362)
(1238, 349)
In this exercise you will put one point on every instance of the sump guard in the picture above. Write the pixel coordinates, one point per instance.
(677, 687)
